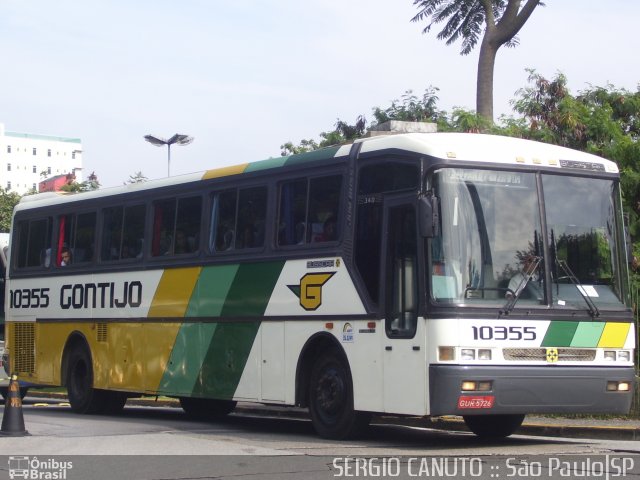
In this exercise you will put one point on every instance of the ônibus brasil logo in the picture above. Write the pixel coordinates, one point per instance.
(34, 468)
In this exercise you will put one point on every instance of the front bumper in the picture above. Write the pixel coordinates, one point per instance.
(528, 389)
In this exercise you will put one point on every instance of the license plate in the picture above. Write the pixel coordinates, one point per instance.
(475, 401)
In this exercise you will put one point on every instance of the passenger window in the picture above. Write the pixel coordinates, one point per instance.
(238, 219)
(324, 200)
(176, 226)
(123, 233)
(76, 238)
(34, 243)
(111, 233)
(308, 210)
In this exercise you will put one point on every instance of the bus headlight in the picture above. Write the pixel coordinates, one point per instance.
(610, 355)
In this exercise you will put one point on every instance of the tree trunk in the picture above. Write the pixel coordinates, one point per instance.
(484, 87)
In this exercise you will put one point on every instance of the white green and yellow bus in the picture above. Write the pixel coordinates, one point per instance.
(413, 274)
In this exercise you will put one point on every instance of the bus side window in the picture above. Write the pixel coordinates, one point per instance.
(324, 205)
(133, 232)
(252, 209)
(111, 233)
(77, 234)
(223, 221)
(34, 243)
(309, 210)
(187, 233)
(164, 215)
(238, 219)
(292, 221)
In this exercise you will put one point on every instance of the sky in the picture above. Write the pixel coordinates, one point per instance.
(245, 77)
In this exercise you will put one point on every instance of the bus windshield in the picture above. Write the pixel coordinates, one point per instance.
(490, 248)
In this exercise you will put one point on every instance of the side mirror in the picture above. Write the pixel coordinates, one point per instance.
(428, 215)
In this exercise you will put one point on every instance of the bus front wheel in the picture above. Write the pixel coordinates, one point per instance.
(493, 426)
(331, 399)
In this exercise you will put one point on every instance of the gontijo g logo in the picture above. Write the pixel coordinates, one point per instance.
(309, 291)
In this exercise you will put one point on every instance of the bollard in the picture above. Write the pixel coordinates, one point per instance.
(12, 420)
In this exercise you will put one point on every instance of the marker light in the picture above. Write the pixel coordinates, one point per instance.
(624, 356)
(484, 354)
(468, 354)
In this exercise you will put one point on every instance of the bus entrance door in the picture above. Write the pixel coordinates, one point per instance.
(404, 346)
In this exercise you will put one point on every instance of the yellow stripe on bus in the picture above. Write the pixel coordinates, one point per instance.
(614, 335)
(174, 292)
(225, 171)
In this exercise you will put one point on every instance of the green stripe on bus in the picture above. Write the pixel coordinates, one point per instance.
(187, 356)
(587, 334)
(559, 334)
(322, 154)
(211, 291)
(226, 360)
(251, 289)
(266, 164)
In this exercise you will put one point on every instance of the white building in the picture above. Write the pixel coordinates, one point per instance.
(26, 159)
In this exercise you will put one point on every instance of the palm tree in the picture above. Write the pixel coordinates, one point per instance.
(502, 20)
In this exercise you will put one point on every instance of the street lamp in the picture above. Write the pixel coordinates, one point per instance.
(177, 139)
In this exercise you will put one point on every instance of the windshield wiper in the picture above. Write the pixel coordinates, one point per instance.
(593, 310)
(511, 303)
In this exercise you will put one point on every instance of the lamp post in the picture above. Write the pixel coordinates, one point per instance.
(177, 139)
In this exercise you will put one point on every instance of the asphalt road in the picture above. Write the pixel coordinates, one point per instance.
(145, 442)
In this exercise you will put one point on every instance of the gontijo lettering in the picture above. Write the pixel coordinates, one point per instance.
(101, 295)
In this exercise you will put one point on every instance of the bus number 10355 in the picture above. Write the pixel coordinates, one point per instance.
(487, 332)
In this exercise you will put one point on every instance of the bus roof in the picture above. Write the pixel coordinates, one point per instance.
(450, 146)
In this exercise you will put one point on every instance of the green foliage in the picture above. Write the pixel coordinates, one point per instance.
(411, 108)
(343, 133)
(79, 187)
(463, 20)
(8, 200)
(137, 177)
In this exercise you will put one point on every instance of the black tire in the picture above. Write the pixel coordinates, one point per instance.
(331, 399)
(82, 396)
(493, 426)
(4, 391)
(206, 408)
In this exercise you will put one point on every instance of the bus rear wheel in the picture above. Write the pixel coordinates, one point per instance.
(331, 399)
(82, 396)
(206, 408)
(493, 426)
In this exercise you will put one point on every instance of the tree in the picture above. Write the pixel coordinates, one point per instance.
(502, 20)
(8, 200)
(412, 108)
(86, 186)
(342, 133)
(137, 177)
